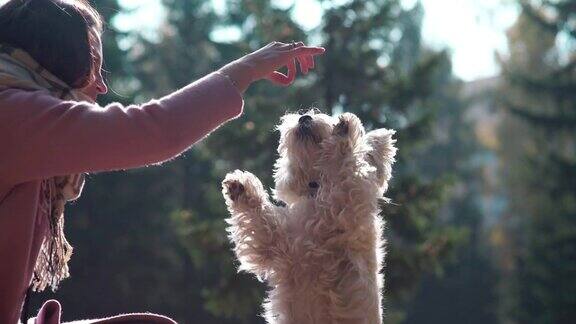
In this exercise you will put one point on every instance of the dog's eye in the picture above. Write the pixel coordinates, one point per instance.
(313, 184)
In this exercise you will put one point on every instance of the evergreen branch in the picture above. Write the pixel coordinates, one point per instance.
(553, 27)
(551, 83)
(548, 121)
(563, 7)
(566, 172)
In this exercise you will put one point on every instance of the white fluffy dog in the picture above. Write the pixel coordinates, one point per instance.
(322, 252)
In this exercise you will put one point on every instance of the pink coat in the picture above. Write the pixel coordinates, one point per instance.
(41, 137)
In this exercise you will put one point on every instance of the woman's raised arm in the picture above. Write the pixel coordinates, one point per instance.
(42, 136)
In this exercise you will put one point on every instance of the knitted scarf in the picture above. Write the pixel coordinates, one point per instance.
(19, 70)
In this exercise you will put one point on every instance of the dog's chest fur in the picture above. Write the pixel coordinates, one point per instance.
(326, 264)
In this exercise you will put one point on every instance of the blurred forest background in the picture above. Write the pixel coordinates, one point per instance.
(482, 228)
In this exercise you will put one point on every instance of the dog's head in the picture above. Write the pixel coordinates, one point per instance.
(301, 135)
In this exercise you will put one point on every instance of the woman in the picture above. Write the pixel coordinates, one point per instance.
(52, 133)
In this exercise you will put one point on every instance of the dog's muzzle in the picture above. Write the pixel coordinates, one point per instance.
(305, 120)
(305, 126)
(306, 130)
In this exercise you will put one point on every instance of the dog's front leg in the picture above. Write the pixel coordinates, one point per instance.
(255, 226)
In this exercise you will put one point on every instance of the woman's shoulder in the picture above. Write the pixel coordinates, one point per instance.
(11, 95)
(17, 105)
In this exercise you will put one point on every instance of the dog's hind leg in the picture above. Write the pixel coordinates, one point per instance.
(255, 225)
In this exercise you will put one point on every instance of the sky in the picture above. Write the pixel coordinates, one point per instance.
(472, 30)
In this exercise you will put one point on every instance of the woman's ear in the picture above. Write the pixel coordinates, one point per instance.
(101, 87)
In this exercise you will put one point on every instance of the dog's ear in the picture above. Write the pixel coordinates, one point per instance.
(349, 125)
(381, 154)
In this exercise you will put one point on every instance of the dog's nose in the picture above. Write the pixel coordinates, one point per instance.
(304, 119)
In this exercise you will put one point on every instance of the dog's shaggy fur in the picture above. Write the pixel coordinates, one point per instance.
(322, 252)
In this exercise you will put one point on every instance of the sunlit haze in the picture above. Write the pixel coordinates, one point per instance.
(472, 30)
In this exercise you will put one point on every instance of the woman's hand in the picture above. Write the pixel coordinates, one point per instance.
(263, 63)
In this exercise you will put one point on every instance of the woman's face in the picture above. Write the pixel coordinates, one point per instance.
(97, 85)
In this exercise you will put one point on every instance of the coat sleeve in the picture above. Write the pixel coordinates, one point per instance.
(42, 136)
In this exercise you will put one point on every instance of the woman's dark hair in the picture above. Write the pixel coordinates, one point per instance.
(58, 34)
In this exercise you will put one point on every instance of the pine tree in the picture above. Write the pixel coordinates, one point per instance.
(465, 290)
(540, 98)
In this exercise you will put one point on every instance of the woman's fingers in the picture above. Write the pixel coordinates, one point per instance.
(305, 56)
(286, 55)
(310, 60)
(283, 79)
(263, 63)
(304, 65)
(277, 77)
(306, 50)
(304, 61)
(301, 59)
(290, 46)
(291, 71)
